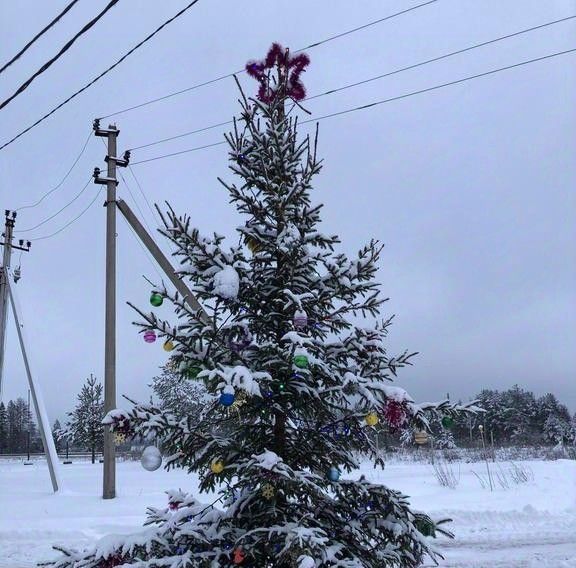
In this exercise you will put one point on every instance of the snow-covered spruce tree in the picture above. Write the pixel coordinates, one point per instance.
(177, 394)
(296, 381)
(84, 426)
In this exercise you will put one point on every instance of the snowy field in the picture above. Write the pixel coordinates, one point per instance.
(526, 526)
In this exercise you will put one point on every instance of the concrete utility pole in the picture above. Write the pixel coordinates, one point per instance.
(39, 407)
(111, 133)
(10, 220)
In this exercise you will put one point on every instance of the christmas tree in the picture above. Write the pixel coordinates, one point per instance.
(297, 385)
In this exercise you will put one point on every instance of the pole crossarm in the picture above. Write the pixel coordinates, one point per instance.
(163, 262)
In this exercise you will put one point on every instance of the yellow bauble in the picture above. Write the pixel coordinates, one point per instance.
(168, 345)
(253, 245)
(372, 419)
(217, 466)
(421, 437)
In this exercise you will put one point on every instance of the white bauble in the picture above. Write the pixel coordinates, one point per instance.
(151, 458)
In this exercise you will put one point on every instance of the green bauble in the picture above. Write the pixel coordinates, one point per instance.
(447, 421)
(301, 361)
(192, 372)
(156, 299)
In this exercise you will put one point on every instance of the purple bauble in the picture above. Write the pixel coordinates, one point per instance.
(149, 336)
(300, 319)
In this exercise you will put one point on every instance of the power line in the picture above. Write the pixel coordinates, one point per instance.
(105, 72)
(190, 132)
(62, 51)
(316, 44)
(434, 59)
(376, 103)
(69, 222)
(40, 33)
(177, 153)
(154, 213)
(382, 76)
(135, 202)
(57, 212)
(486, 73)
(62, 180)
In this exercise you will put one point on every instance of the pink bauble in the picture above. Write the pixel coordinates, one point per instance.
(149, 336)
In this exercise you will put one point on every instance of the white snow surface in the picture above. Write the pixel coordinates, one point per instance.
(227, 283)
(527, 526)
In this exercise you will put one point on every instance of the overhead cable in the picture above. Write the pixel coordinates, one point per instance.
(382, 76)
(62, 180)
(40, 33)
(69, 222)
(316, 44)
(105, 72)
(59, 210)
(376, 103)
(62, 51)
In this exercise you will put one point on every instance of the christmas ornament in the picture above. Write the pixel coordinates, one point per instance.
(301, 361)
(151, 458)
(291, 66)
(217, 466)
(239, 556)
(240, 400)
(173, 506)
(192, 372)
(227, 398)
(168, 345)
(395, 414)
(156, 299)
(253, 245)
(300, 319)
(421, 437)
(267, 491)
(149, 336)
(372, 419)
(119, 438)
(447, 421)
(333, 474)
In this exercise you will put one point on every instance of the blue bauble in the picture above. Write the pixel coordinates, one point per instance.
(333, 474)
(227, 399)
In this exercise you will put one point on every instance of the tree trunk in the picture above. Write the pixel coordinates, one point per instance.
(93, 453)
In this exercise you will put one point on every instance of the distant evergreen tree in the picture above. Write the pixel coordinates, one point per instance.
(17, 425)
(58, 435)
(3, 428)
(179, 394)
(520, 412)
(85, 423)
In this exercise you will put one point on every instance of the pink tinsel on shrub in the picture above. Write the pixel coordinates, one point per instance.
(289, 66)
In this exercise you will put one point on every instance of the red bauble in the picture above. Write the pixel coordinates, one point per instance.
(239, 556)
(174, 505)
(395, 414)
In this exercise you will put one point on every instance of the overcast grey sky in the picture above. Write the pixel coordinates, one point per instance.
(471, 188)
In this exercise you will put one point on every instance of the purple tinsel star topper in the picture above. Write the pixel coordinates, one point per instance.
(290, 67)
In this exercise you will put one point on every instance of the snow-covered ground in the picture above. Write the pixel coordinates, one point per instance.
(526, 526)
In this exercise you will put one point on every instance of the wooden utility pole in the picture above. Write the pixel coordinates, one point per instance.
(111, 134)
(10, 220)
